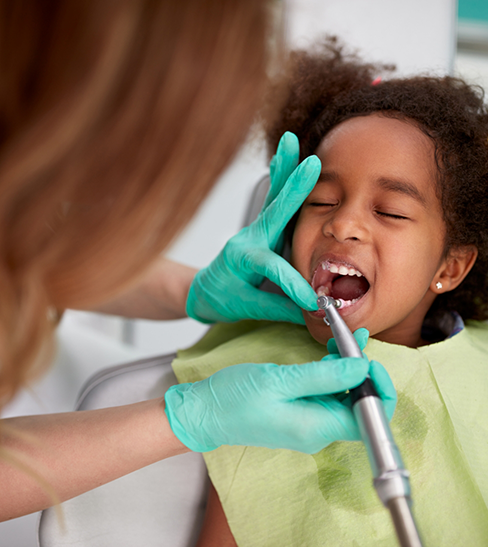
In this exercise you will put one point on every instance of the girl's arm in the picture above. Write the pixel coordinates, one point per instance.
(77, 451)
(160, 294)
(215, 530)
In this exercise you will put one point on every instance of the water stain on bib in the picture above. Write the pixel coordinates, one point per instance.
(344, 473)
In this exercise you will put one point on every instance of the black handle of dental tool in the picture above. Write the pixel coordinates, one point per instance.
(390, 476)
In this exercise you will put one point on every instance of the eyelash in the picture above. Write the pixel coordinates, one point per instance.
(380, 213)
(389, 215)
(318, 204)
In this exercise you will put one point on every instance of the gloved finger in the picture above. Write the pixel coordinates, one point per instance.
(319, 378)
(384, 386)
(339, 421)
(268, 264)
(331, 357)
(296, 190)
(252, 303)
(361, 336)
(341, 425)
(282, 165)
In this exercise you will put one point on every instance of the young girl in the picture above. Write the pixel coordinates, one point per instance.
(397, 228)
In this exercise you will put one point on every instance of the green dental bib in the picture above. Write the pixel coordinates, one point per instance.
(279, 498)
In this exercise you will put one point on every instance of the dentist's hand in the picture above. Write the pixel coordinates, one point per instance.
(288, 406)
(227, 290)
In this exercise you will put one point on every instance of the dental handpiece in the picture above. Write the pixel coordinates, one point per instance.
(390, 478)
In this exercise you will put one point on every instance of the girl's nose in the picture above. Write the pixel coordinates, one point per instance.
(346, 224)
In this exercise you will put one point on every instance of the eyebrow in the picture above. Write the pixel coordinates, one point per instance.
(328, 176)
(403, 187)
(390, 185)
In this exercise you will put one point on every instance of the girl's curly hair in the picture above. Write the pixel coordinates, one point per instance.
(326, 87)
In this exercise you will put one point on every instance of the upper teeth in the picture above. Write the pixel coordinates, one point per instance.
(340, 269)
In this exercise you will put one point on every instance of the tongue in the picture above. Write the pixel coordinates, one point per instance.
(349, 287)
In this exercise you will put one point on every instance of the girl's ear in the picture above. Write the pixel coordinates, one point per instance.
(454, 269)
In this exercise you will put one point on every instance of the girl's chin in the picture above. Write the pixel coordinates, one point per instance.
(316, 327)
(321, 334)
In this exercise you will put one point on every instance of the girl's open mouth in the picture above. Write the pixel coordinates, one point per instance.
(340, 280)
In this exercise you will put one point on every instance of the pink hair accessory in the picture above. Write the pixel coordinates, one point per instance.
(376, 81)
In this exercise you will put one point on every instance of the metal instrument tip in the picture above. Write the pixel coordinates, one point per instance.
(323, 302)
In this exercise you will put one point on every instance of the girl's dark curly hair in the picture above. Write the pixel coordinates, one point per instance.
(326, 87)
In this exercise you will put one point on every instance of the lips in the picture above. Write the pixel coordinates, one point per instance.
(341, 280)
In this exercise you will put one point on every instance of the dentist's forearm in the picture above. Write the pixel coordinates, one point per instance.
(160, 295)
(77, 451)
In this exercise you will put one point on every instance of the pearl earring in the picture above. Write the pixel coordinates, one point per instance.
(438, 285)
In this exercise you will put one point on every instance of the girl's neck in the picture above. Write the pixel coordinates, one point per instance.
(409, 337)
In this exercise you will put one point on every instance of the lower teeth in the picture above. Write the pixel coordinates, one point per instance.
(347, 303)
(325, 291)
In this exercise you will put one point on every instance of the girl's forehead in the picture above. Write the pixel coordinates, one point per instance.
(381, 142)
(376, 127)
(370, 150)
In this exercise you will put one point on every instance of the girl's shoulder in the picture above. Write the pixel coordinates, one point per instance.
(478, 329)
(477, 332)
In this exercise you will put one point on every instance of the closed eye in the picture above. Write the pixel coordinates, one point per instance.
(321, 204)
(390, 215)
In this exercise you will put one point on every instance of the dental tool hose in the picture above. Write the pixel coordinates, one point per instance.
(390, 478)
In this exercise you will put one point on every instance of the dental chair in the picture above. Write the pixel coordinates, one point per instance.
(160, 505)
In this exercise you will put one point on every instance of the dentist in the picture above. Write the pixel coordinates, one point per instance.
(116, 118)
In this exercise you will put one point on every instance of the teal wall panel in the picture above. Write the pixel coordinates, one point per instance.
(474, 10)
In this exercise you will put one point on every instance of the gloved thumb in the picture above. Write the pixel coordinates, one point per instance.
(321, 377)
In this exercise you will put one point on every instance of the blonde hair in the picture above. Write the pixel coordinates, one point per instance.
(116, 117)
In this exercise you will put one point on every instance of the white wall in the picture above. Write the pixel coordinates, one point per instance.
(473, 68)
(416, 35)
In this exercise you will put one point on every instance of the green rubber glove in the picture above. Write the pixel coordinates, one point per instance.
(227, 290)
(377, 373)
(289, 406)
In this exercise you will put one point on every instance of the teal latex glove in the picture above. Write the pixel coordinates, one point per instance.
(227, 290)
(377, 373)
(272, 406)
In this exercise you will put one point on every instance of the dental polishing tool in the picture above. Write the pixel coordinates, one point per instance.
(390, 478)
